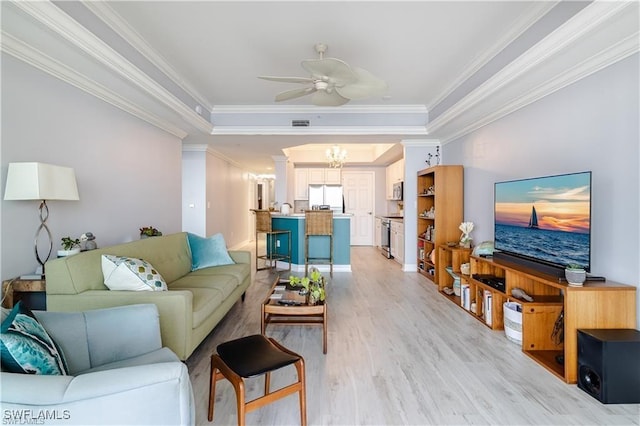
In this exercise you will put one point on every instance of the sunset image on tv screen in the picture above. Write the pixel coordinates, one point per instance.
(545, 218)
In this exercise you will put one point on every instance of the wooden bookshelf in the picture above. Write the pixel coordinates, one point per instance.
(440, 209)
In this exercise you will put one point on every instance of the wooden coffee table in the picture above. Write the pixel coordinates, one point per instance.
(296, 313)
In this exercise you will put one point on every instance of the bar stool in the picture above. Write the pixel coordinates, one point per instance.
(318, 223)
(272, 255)
(252, 356)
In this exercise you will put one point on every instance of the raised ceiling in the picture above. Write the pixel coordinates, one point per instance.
(191, 67)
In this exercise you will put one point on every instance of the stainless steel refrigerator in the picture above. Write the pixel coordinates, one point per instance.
(330, 195)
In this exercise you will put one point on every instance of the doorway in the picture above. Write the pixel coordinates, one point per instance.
(359, 201)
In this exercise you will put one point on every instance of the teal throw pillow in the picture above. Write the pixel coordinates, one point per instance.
(206, 252)
(26, 347)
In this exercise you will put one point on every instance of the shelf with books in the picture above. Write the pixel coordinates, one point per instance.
(439, 212)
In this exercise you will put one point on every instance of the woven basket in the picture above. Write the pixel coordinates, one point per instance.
(318, 222)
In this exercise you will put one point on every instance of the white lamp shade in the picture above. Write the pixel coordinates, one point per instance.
(40, 181)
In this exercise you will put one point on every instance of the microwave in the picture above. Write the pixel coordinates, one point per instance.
(397, 191)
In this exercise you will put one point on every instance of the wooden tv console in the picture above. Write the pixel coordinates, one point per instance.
(594, 305)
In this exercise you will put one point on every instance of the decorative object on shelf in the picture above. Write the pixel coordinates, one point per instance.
(465, 238)
(429, 191)
(575, 275)
(429, 214)
(40, 181)
(69, 247)
(89, 241)
(484, 249)
(521, 294)
(312, 286)
(465, 269)
(437, 156)
(149, 231)
(336, 156)
(428, 160)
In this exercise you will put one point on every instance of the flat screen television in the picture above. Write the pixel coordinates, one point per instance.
(544, 222)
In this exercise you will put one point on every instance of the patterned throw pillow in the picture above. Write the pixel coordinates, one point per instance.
(207, 252)
(129, 273)
(26, 347)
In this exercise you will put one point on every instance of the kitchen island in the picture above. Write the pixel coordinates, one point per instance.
(318, 246)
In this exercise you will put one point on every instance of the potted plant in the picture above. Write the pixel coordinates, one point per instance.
(149, 231)
(575, 274)
(69, 247)
(312, 286)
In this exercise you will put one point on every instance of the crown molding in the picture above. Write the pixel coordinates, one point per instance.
(587, 20)
(32, 56)
(62, 24)
(606, 57)
(419, 143)
(537, 11)
(208, 150)
(319, 130)
(311, 109)
(121, 27)
(195, 147)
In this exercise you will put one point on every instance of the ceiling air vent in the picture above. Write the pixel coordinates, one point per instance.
(300, 123)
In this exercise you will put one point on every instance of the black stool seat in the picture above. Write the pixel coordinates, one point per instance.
(254, 355)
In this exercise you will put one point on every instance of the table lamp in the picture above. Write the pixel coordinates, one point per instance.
(40, 181)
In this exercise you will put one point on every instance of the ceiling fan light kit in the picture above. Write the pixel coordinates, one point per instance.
(333, 82)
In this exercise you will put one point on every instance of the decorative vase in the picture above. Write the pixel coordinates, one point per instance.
(575, 277)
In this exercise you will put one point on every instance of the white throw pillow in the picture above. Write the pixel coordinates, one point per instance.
(128, 273)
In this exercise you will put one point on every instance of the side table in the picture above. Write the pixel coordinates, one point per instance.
(31, 291)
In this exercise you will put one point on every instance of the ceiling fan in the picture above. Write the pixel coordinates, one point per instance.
(333, 82)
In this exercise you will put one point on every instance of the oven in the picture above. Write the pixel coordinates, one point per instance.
(385, 238)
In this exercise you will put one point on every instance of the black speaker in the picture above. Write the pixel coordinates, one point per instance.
(609, 365)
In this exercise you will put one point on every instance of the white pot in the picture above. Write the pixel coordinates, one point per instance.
(575, 277)
(64, 253)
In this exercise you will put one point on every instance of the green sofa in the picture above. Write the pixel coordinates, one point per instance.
(193, 306)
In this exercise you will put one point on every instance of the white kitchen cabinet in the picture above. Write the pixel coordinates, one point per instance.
(397, 240)
(332, 177)
(301, 184)
(378, 233)
(316, 176)
(394, 174)
(322, 176)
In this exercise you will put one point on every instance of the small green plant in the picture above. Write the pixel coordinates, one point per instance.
(574, 266)
(313, 285)
(69, 244)
(150, 231)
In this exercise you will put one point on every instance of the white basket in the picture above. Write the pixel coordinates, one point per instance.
(513, 322)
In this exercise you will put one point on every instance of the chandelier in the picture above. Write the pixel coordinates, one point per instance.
(336, 156)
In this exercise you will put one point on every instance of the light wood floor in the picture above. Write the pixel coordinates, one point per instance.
(398, 353)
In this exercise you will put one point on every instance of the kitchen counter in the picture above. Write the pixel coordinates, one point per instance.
(318, 246)
(301, 215)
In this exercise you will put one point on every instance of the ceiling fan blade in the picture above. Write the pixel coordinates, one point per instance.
(287, 79)
(294, 93)
(324, 98)
(366, 85)
(335, 69)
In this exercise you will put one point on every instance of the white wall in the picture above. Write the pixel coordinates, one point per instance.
(128, 172)
(194, 192)
(221, 195)
(590, 125)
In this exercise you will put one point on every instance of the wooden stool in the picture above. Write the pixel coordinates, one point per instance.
(318, 223)
(253, 356)
(263, 226)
